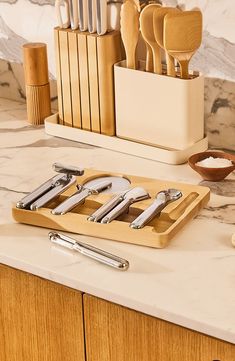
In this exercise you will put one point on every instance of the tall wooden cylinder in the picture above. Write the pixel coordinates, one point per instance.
(37, 82)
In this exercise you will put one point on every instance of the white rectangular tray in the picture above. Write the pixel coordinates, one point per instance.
(170, 156)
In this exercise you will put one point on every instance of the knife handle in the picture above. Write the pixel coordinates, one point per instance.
(73, 9)
(102, 24)
(58, 4)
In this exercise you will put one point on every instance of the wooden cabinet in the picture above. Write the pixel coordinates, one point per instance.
(43, 321)
(39, 320)
(115, 333)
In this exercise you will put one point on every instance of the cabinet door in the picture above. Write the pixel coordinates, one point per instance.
(115, 333)
(39, 320)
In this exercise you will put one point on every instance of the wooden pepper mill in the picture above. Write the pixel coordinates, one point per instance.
(37, 82)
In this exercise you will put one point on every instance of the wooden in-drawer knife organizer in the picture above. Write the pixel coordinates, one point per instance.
(157, 233)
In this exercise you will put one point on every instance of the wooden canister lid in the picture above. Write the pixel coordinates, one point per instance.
(35, 64)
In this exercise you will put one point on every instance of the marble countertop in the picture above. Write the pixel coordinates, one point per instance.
(190, 283)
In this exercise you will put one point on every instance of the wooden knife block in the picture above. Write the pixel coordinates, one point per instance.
(85, 79)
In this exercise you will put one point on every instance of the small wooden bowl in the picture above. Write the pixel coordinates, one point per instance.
(212, 174)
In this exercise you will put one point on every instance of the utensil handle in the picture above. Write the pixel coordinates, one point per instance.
(58, 4)
(184, 69)
(145, 217)
(95, 253)
(149, 58)
(170, 62)
(105, 208)
(117, 211)
(157, 65)
(71, 202)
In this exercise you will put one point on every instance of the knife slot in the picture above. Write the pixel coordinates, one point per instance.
(74, 79)
(65, 78)
(58, 75)
(84, 80)
(94, 83)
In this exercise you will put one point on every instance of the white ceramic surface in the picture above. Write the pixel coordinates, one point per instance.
(190, 283)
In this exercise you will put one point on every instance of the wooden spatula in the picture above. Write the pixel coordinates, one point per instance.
(158, 24)
(182, 37)
(146, 28)
(130, 31)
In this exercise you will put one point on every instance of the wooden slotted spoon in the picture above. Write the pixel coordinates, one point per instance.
(158, 24)
(182, 37)
(130, 31)
(146, 28)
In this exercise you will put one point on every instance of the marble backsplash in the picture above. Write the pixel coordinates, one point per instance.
(33, 20)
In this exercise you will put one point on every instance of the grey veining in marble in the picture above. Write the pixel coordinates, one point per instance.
(223, 214)
(225, 188)
(10, 44)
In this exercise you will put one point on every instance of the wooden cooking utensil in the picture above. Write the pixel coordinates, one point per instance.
(182, 37)
(130, 31)
(158, 24)
(146, 28)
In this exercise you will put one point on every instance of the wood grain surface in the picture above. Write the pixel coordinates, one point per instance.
(115, 333)
(39, 320)
(156, 234)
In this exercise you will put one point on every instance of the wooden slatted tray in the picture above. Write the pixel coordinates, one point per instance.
(156, 234)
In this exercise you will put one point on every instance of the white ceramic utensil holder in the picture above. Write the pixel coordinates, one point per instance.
(157, 109)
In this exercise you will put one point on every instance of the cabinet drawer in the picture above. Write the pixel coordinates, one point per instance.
(115, 333)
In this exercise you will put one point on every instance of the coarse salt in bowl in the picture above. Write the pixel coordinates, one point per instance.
(212, 166)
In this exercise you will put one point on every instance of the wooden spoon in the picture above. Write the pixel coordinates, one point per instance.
(146, 27)
(130, 31)
(158, 24)
(182, 37)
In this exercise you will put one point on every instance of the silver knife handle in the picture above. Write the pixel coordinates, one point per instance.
(71, 202)
(90, 251)
(117, 211)
(145, 217)
(101, 17)
(105, 208)
(58, 4)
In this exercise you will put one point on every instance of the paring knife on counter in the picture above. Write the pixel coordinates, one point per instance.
(89, 251)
